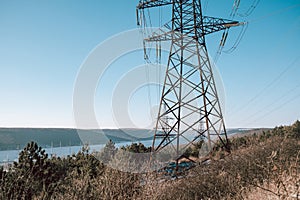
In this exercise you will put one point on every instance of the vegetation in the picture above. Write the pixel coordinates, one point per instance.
(259, 166)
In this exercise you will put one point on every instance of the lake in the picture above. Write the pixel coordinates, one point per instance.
(12, 155)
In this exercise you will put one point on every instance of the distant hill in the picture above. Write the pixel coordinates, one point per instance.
(17, 138)
(240, 132)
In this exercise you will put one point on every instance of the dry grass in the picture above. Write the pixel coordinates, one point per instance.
(289, 190)
(256, 172)
(259, 167)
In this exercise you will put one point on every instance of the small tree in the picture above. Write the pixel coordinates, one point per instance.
(108, 152)
(296, 129)
(34, 172)
(136, 148)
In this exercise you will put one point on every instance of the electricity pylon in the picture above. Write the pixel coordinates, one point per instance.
(189, 107)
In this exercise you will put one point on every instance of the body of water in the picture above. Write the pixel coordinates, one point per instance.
(13, 155)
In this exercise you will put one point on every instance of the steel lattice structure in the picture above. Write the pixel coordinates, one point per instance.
(189, 102)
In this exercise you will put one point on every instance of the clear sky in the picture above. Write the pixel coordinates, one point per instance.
(44, 43)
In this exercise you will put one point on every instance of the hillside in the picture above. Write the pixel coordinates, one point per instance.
(260, 166)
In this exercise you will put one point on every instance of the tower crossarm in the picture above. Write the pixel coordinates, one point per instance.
(153, 3)
(207, 26)
(212, 24)
(162, 34)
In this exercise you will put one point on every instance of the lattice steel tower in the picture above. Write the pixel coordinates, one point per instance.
(189, 105)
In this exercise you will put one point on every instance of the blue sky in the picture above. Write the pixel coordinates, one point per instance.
(44, 43)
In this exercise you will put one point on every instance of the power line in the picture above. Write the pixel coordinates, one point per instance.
(263, 91)
(250, 9)
(271, 104)
(238, 40)
(275, 109)
(277, 12)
